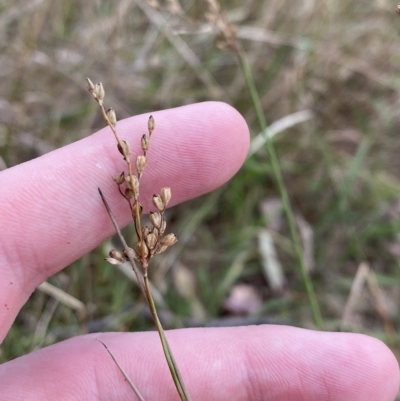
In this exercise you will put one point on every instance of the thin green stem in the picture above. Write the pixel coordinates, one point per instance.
(173, 367)
(282, 189)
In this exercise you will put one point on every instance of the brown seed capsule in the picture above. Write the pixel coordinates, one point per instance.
(133, 183)
(163, 227)
(166, 195)
(161, 249)
(155, 232)
(119, 179)
(151, 241)
(158, 203)
(140, 164)
(98, 93)
(145, 231)
(168, 240)
(117, 255)
(398, 9)
(156, 219)
(129, 194)
(124, 149)
(151, 124)
(113, 261)
(135, 208)
(141, 250)
(145, 142)
(90, 85)
(132, 253)
(112, 117)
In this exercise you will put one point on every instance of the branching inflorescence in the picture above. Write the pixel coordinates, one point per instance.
(150, 240)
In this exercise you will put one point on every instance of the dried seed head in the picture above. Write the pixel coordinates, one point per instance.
(132, 182)
(119, 179)
(145, 231)
(163, 227)
(135, 208)
(132, 253)
(161, 249)
(145, 142)
(124, 149)
(112, 117)
(98, 93)
(166, 195)
(151, 124)
(140, 164)
(114, 254)
(155, 232)
(398, 9)
(168, 240)
(90, 85)
(158, 203)
(156, 219)
(129, 194)
(151, 241)
(113, 261)
(141, 250)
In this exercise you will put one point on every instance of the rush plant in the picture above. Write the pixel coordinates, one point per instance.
(150, 240)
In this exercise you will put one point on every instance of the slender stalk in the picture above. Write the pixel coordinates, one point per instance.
(130, 382)
(281, 187)
(173, 367)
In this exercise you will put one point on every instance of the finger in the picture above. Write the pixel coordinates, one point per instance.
(51, 212)
(246, 363)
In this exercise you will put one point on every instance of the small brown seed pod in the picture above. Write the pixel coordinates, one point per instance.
(156, 219)
(151, 241)
(135, 207)
(166, 195)
(169, 239)
(112, 117)
(115, 254)
(161, 249)
(119, 179)
(90, 85)
(140, 164)
(158, 203)
(145, 142)
(163, 227)
(151, 124)
(124, 149)
(141, 250)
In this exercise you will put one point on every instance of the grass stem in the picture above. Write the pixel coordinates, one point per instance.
(282, 188)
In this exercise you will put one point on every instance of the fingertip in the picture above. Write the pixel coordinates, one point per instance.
(383, 369)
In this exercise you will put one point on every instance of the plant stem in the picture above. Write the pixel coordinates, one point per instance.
(130, 382)
(282, 188)
(173, 367)
(145, 288)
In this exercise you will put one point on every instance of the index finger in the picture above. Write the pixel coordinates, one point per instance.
(51, 213)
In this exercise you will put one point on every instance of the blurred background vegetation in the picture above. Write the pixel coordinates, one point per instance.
(327, 73)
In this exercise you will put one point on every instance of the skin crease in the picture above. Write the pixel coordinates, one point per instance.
(52, 204)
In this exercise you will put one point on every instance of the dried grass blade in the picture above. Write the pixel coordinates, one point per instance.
(133, 387)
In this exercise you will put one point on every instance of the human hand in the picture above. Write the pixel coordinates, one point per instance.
(51, 214)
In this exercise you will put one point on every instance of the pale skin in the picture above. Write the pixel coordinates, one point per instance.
(51, 215)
